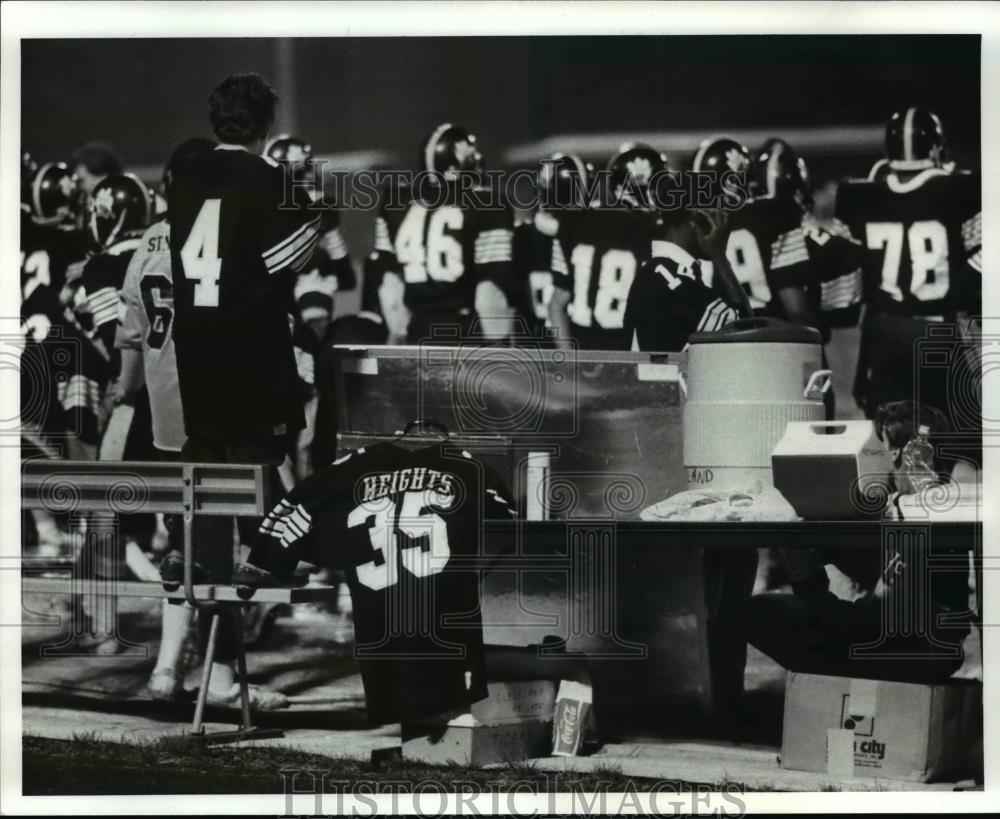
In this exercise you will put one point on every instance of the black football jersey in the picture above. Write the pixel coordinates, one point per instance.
(595, 257)
(669, 300)
(237, 239)
(405, 527)
(46, 253)
(533, 240)
(331, 256)
(835, 286)
(101, 284)
(922, 234)
(767, 251)
(443, 242)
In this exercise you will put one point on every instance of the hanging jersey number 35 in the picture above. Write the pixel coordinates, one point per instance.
(391, 524)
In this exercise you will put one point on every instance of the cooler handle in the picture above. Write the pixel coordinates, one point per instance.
(812, 383)
(828, 428)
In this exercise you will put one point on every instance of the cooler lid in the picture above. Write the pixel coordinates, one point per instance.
(759, 330)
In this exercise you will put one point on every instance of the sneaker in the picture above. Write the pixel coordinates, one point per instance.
(172, 569)
(165, 684)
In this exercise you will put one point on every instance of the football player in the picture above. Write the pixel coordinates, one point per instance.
(919, 222)
(236, 245)
(766, 246)
(120, 211)
(445, 245)
(145, 338)
(94, 162)
(563, 184)
(331, 257)
(599, 250)
(53, 250)
(834, 256)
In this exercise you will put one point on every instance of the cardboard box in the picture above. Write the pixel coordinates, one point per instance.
(513, 722)
(471, 744)
(874, 729)
(832, 470)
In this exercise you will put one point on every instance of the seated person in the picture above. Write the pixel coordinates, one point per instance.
(881, 635)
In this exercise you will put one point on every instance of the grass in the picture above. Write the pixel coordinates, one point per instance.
(90, 766)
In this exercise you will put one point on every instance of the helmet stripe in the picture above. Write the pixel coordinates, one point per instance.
(431, 146)
(772, 168)
(908, 133)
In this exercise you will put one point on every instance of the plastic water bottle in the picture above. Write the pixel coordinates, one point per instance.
(916, 468)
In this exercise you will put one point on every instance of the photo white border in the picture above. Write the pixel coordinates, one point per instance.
(293, 19)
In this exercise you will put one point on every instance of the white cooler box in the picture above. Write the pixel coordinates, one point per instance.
(832, 470)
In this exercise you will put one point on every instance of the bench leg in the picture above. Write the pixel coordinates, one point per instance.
(241, 670)
(206, 676)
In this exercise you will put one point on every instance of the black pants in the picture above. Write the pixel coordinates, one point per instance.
(214, 538)
(815, 633)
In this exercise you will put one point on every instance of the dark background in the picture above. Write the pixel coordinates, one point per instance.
(353, 94)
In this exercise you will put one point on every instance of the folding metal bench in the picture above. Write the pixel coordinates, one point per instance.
(174, 488)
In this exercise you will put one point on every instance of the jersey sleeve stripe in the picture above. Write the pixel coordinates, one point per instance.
(841, 292)
(716, 315)
(789, 249)
(558, 259)
(382, 241)
(333, 244)
(491, 257)
(296, 256)
(299, 261)
(292, 237)
(305, 236)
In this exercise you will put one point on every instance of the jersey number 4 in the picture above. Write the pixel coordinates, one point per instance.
(928, 246)
(390, 525)
(200, 255)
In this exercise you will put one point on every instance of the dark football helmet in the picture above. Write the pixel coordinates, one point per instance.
(721, 154)
(563, 181)
(631, 172)
(915, 136)
(780, 172)
(450, 150)
(119, 206)
(54, 194)
(291, 151)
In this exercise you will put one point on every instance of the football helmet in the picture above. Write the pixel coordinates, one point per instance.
(563, 181)
(632, 170)
(914, 137)
(54, 194)
(721, 154)
(451, 150)
(120, 205)
(780, 172)
(292, 151)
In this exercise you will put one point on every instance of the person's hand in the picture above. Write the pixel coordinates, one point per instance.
(712, 230)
